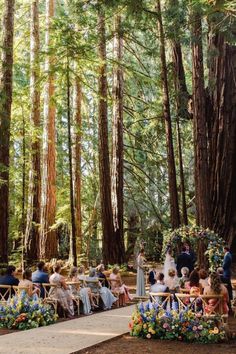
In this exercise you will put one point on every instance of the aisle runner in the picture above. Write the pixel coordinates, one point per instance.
(70, 336)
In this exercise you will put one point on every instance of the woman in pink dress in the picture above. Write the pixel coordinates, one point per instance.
(117, 286)
(216, 288)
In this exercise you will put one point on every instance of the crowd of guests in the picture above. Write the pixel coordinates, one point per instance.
(198, 282)
(94, 290)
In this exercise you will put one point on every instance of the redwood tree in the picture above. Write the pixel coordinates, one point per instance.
(222, 128)
(202, 199)
(33, 212)
(173, 193)
(5, 118)
(48, 238)
(117, 173)
(104, 160)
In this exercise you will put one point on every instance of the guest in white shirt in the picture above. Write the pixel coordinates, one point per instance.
(159, 286)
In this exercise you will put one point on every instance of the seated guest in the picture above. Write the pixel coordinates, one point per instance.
(172, 282)
(215, 287)
(40, 276)
(27, 283)
(61, 292)
(226, 282)
(184, 278)
(100, 274)
(152, 277)
(118, 286)
(106, 295)
(83, 293)
(203, 275)
(194, 286)
(159, 286)
(9, 278)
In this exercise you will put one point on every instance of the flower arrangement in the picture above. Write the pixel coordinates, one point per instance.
(195, 235)
(24, 312)
(151, 321)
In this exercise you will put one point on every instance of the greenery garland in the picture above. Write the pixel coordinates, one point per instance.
(213, 243)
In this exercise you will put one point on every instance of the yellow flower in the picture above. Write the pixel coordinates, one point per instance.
(145, 326)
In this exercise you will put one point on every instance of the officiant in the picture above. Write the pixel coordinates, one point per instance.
(184, 260)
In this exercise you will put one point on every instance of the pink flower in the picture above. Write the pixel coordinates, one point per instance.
(194, 328)
(165, 325)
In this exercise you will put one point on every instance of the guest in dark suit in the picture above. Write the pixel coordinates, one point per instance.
(227, 263)
(40, 276)
(184, 260)
(152, 277)
(9, 278)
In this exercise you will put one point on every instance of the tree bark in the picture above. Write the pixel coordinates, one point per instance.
(222, 126)
(76, 153)
(48, 241)
(104, 160)
(117, 173)
(33, 211)
(200, 125)
(5, 119)
(72, 208)
(173, 193)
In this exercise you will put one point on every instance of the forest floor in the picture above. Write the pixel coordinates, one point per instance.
(131, 345)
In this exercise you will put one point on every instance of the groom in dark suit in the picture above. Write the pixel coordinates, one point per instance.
(227, 263)
(184, 260)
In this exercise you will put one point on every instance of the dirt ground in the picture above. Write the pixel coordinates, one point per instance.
(131, 345)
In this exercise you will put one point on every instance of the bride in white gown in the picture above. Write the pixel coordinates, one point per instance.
(169, 263)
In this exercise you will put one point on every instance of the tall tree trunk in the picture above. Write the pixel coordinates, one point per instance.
(117, 174)
(33, 211)
(181, 98)
(222, 131)
(200, 125)
(104, 161)
(48, 240)
(76, 154)
(181, 172)
(5, 118)
(72, 208)
(173, 193)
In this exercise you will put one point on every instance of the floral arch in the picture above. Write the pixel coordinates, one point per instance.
(206, 243)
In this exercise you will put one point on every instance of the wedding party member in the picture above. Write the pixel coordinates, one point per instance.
(215, 287)
(27, 283)
(184, 278)
(61, 292)
(140, 286)
(194, 286)
(106, 295)
(152, 277)
(40, 276)
(117, 285)
(203, 276)
(172, 281)
(169, 262)
(184, 260)
(191, 253)
(84, 294)
(227, 263)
